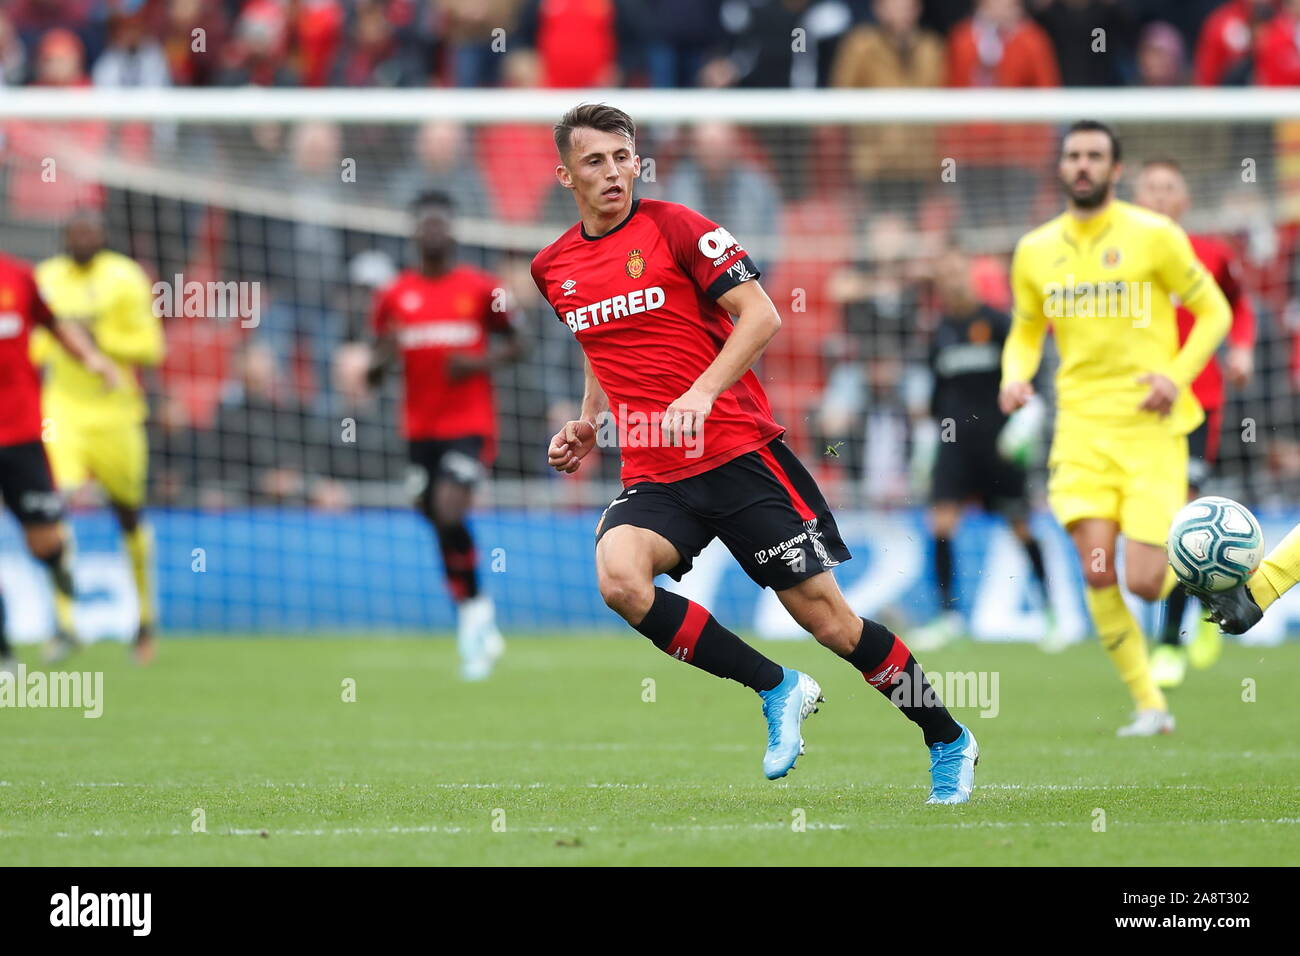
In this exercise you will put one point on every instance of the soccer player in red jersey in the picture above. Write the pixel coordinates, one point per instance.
(1162, 187)
(26, 484)
(450, 325)
(648, 289)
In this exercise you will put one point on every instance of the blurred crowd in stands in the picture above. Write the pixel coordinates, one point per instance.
(656, 43)
(848, 224)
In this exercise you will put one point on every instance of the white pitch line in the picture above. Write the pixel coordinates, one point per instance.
(665, 785)
(455, 830)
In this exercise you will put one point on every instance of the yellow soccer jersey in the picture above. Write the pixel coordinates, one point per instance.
(1109, 286)
(111, 296)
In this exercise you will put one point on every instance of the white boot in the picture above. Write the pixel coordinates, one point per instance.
(474, 638)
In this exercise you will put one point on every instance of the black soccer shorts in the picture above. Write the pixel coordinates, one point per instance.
(27, 485)
(972, 469)
(459, 460)
(763, 505)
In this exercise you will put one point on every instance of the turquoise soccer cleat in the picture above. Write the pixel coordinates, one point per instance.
(952, 768)
(786, 706)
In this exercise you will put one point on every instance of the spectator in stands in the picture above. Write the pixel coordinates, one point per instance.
(680, 38)
(194, 37)
(351, 439)
(718, 182)
(133, 57)
(862, 411)
(257, 53)
(1161, 56)
(1087, 58)
(467, 32)
(895, 162)
(999, 167)
(305, 257)
(13, 58)
(317, 33)
(33, 19)
(444, 163)
(766, 52)
(35, 149)
(577, 44)
(255, 452)
(376, 53)
(1277, 48)
(1225, 47)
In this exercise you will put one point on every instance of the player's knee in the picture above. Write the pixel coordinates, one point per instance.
(626, 593)
(832, 627)
(1145, 586)
(1095, 576)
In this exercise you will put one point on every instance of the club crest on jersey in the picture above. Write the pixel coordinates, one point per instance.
(1110, 258)
(635, 264)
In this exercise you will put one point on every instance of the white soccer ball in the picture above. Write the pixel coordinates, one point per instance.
(1215, 544)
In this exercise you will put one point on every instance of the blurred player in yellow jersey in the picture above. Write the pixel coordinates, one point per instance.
(93, 435)
(1104, 274)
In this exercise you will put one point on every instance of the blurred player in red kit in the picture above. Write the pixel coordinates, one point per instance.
(449, 325)
(648, 289)
(1162, 187)
(26, 483)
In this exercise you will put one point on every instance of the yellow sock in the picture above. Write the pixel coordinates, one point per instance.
(1125, 645)
(139, 548)
(1167, 586)
(1278, 572)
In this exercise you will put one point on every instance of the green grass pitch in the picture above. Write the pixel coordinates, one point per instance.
(558, 759)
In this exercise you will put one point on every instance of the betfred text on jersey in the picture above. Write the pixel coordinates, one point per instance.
(626, 428)
(615, 307)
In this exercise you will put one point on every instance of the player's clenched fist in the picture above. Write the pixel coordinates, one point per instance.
(570, 445)
(1013, 395)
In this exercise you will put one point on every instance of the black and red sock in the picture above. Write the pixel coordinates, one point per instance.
(889, 667)
(459, 561)
(685, 630)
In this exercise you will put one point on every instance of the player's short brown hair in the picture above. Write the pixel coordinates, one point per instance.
(598, 116)
(1168, 162)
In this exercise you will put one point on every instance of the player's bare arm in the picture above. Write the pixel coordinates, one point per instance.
(757, 322)
(572, 442)
(508, 346)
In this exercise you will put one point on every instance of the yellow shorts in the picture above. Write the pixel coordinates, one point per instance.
(116, 456)
(1138, 482)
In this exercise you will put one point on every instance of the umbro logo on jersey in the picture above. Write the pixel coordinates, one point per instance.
(568, 286)
(740, 272)
(11, 325)
(795, 559)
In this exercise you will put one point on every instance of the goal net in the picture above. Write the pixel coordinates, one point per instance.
(280, 496)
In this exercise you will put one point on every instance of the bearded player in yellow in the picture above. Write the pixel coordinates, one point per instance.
(1102, 274)
(92, 435)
